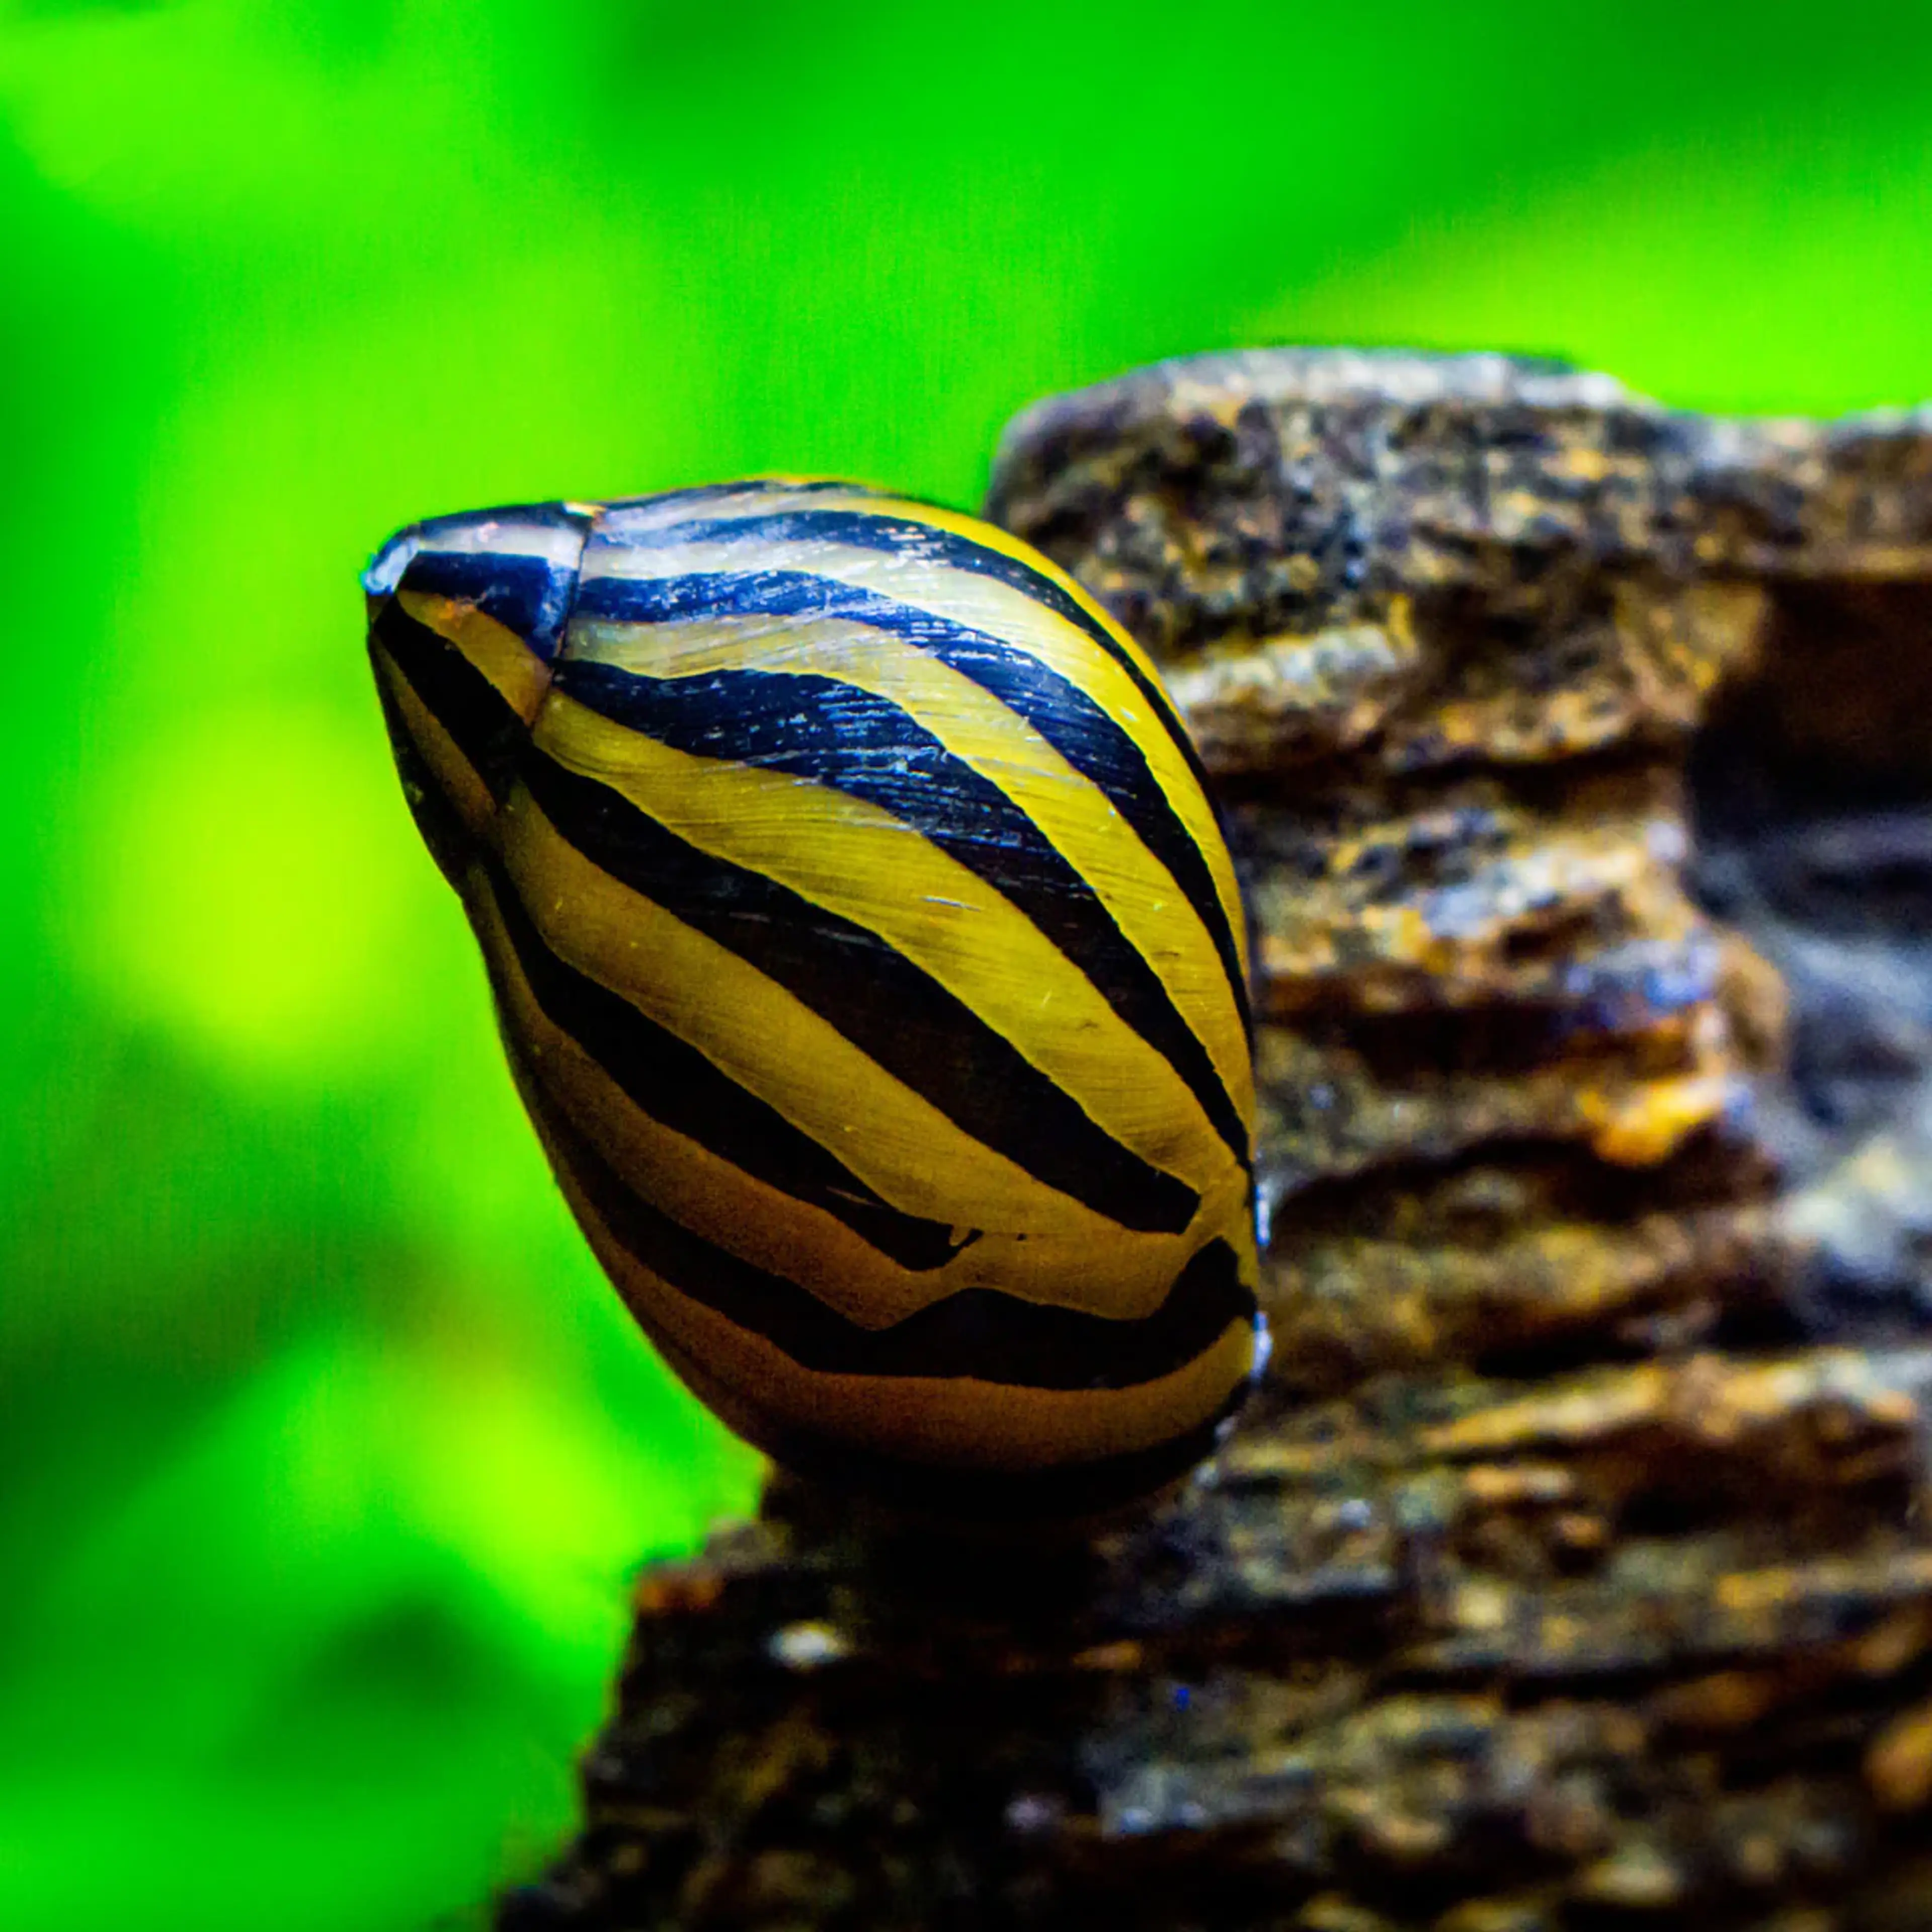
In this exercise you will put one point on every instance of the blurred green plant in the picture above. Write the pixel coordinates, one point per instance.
(326, 1450)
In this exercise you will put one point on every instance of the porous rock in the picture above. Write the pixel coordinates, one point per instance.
(1573, 1569)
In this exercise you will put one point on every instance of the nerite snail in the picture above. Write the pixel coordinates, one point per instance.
(870, 961)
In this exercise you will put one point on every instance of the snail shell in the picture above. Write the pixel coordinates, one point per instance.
(869, 959)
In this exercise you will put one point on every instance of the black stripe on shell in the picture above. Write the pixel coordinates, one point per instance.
(525, 595)
(864, 744)
(449, 840)
(678, 1088)
(481, 722)
(886, 1005)
(1077, 727)
(975, 1333)
(928, 543)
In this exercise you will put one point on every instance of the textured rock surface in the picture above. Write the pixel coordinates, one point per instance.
(1444, 627)
(1447, 628)
(1646, 1638)
(1290, 492)
(1576, 1568)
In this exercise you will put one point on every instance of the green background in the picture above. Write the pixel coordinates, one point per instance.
(326, 1454)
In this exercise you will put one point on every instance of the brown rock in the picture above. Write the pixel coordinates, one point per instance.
(1574, 1570)
(1369, 1667)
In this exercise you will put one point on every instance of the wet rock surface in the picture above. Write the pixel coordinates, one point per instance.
(1574, 1567)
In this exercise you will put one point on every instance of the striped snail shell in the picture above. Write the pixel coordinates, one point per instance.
(869, 958)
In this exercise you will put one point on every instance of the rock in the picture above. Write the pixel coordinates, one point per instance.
(1574, 1570)
(1644, 1637)
(1444, 627)
(1279, 493)
(1454, 632)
